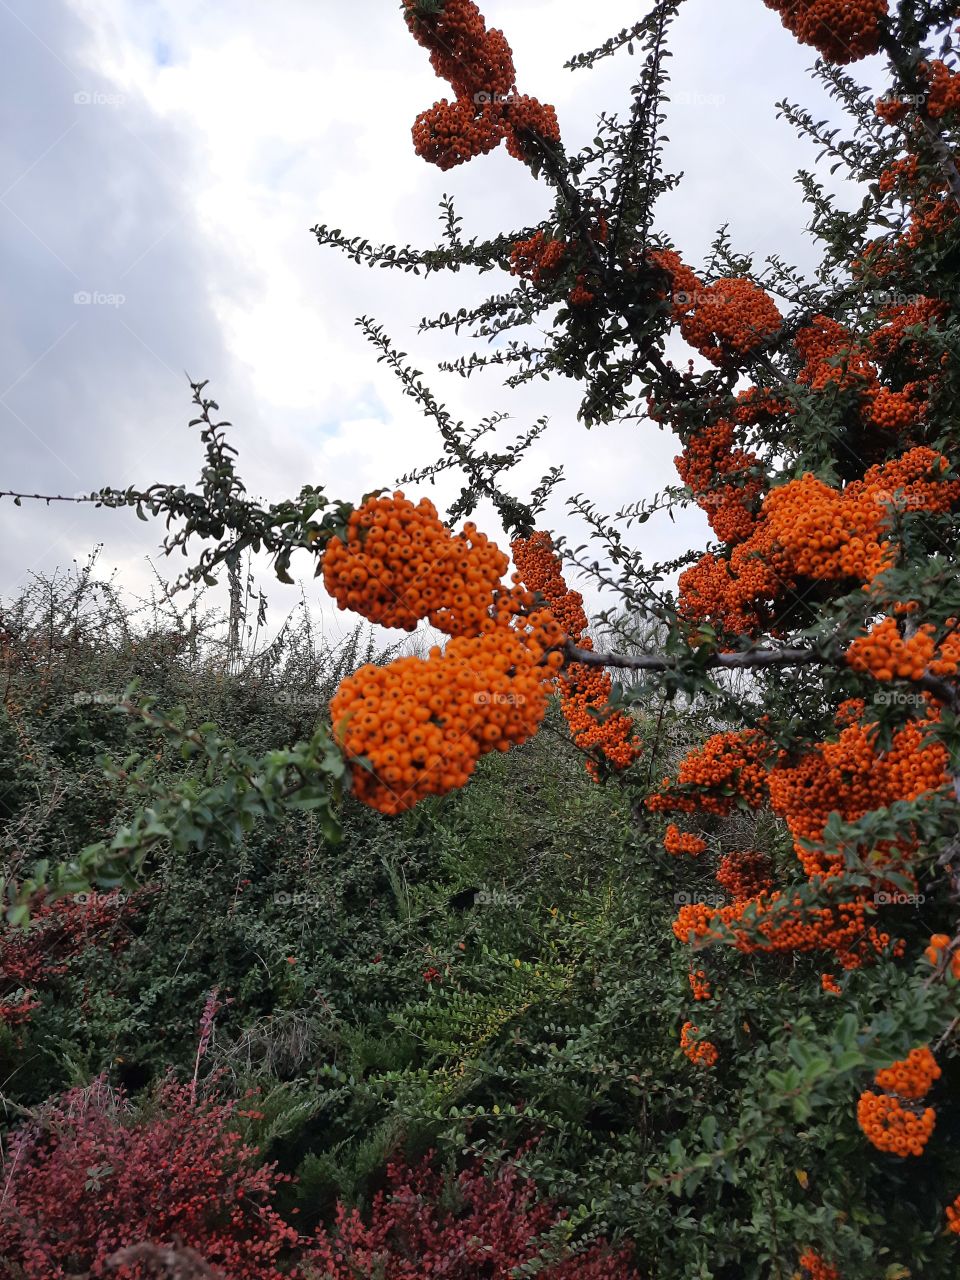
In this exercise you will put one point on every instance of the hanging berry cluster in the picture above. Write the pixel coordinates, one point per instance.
(724, 321)
(400, 564)
(702, 1053)
(417, 727)
(889, 656)
(478, 64)
(807, 531)
(840, 30)
(815, 1268)
(894, 1121)
(851, 776)
(585, 690)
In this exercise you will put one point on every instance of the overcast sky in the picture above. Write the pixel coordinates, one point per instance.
(165, 160)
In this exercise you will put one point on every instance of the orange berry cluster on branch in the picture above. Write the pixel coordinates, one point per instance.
(831, 358)
(912, 1077)
(702, 1053)
(729, 319)
(585, 690)
(722, 480)
(852, 777)
(953, 1217)
(537, 259)
(478, 64)
(806, 529)
(724, 321)
(450, 133)
(939, 942)
(401, 564)
(417, 727)
(944, 88)
(891, 1127)
(816, 1268)
(829, 984)
(888, 656)
(679, 842)
(778, 922)
(745, 874)
(424, 723)
(700, 984)
(713, 775)
(841, 31)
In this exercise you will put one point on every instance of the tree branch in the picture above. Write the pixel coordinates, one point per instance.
(941, 689)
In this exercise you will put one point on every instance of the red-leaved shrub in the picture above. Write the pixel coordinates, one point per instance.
(90, 1177)
(416, 1233)
(59, 931)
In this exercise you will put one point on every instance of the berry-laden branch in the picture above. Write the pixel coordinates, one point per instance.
(748, 659)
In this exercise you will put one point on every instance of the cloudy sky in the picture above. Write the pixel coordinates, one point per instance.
(161, 166)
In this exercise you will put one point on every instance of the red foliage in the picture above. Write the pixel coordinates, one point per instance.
(90, 1178)
(58, 932)
(411, 1236)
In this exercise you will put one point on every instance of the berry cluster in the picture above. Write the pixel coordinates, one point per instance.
(943, 94)
(745, 874)
(401, 564)
(840, 30)
(723, 479)
(807, 530)
(712, 776)
(889, 656)
(422, 724)
(585, 690)
(832, 359)
(888, 1124)
(702, 1053)
(816, 1268)
(478, 64)
(778, 922)
(537, 259)
(937, 947)
(911, 1077)
(700, 984)
(679, 842)
(725, 320)
(729, 319)
(891, 1127)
